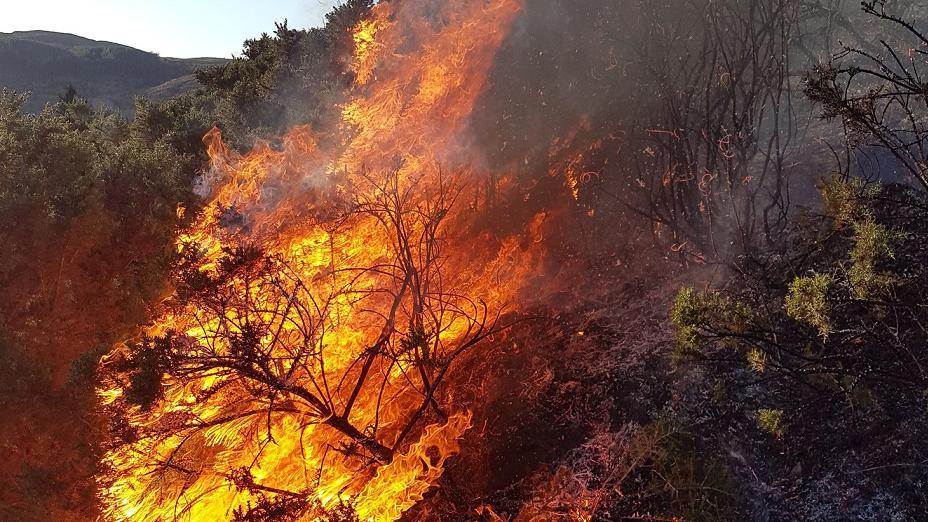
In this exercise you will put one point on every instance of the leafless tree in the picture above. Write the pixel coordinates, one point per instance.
(826, 24)
(881, 95)
(712, 144)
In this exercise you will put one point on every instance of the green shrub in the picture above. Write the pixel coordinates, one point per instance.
(807, 302)
(770, 421)
(695, 315)
(844, 200)
(872, 242)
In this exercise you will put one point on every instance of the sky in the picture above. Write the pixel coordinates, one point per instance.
(171, 28)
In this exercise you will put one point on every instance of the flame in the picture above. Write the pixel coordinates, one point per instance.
(366, 48)
(568, 155)
(416, 84)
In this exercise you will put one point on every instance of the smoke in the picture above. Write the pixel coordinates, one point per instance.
(569, 123)
(558, 66)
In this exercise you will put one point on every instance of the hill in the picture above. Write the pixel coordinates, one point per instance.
(45, 63)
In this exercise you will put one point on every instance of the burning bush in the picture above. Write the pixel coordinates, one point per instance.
(322, 303)
(337, 275)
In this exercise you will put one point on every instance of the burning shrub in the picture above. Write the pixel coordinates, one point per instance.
(301, 368)
(274, 345)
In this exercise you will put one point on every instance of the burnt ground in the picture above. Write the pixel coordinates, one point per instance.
(547, 387)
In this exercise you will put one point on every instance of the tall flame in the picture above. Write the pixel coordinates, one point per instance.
(420, 67)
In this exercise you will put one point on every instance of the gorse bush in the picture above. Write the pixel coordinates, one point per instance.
(835, 342)
(843, 199)
(770, 421)
(700, 315)
(807, 302)
(872, 243)
(90, 204)
(88, 215)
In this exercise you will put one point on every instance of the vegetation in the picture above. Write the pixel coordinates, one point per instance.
(837, 353)
(288, 78)
(834, 352)
(90, 204)
(87, 214)
(774, 373)
(807, 302)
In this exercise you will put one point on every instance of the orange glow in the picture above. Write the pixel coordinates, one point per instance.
(415, 89)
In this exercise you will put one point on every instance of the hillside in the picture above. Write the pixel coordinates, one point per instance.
(45, 63)
(518, 260)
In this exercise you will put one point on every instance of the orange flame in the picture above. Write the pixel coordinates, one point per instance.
(417, 82)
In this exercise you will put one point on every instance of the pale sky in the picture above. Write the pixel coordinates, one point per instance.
(171, 28)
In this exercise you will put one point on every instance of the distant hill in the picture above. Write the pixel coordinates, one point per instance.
(45, 63)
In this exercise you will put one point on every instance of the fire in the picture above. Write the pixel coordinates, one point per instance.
(369, 283)
(366, 47)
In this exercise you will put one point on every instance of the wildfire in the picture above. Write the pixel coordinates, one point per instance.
(366, 47)
(369, 284)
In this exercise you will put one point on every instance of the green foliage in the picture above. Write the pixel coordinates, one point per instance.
(845, 199)
(290, 77)
(807, 302)
(87, 218)
(695, 315)
(770, 421)
(59, 161)
(846, 202)
(757, 360)
(872, 242)
(685, 318)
